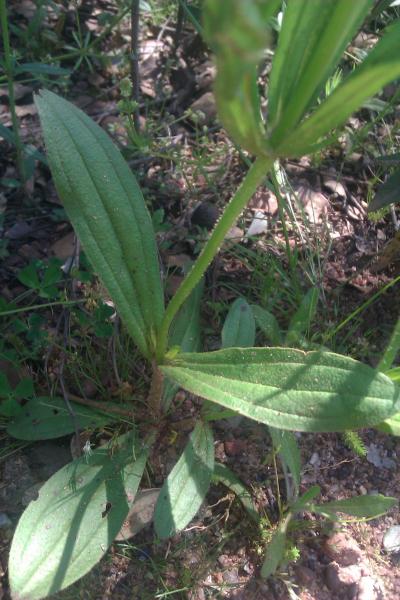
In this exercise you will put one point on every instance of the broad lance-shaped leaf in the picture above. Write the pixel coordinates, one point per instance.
(107, 209)
(187, 485)
(79, 512)
(185, 333)
(46, 418)
(275, 550)
(286, 445)
(359, 506)
(268, 324)
(239, 330)
(302, 319)
(289, 389)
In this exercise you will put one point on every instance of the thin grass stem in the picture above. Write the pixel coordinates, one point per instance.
(9, 71)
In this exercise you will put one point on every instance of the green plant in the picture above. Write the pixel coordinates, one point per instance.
(389, 191)
(8, 68)
(82, 507)
(360, 507)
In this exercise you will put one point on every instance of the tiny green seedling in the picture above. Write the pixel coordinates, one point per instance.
(80, 510)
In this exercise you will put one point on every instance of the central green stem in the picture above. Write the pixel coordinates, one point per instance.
(250, 183)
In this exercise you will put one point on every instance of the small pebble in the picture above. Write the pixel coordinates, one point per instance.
(366, 589)
(231, 576)
(234, 447)
(343, 549)
(5, 522)
(339, 578)
(305, 576)
(391, 539)
(205, 215)
(373, 456)
(389, 463)
(224, 560)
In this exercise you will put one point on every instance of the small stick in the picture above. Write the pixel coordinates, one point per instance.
(103, 406)
(61, 376)
(180, 18)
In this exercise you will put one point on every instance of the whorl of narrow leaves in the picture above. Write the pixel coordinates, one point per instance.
(107, 209)
(311, 41)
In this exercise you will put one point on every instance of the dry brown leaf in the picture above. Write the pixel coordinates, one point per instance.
(264, 200)
(64, 247)
(335, 187)
(178, 260)
(140, 515)
(389, 255)
(20, 91)
(205, 108)
(315, 203)
(25, 110)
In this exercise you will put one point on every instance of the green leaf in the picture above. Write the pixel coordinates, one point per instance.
(186, 333)
(222, 474)
(52, 274)
(286, 445)
(10, 407)
(387, 160)
(387, 193)
(275, 550)
(46, 418)
(41, 69)
(239, 330)
(237, 31)
(304, 500)
(268, 324)
(391, 425)
(312, 39)
(7, 134)
(79, 512)
(289, 389)
(359, 506)
(186, 330)
(29, 276)
(107, 209)
(187, 485)
(5, 387)
(393, 374)
(24, 388)
(381, 66)
(193, 13)
(302, 319)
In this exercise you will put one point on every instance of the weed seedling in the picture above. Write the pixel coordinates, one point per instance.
(66, 531)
